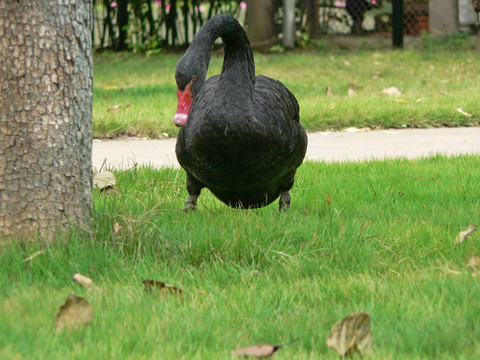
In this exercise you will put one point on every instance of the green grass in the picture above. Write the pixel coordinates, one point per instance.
(434, 84)
(372, 236)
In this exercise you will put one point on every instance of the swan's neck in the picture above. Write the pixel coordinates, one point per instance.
(238, 65)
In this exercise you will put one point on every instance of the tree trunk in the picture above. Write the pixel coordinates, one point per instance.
(45, 116)
(122, 20)
(289, 23)
(313, 19)
(260, 25)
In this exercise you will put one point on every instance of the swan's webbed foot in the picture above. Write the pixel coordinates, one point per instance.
(284, 201)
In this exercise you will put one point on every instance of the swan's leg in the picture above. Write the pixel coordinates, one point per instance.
(193, 188)
(284, 200)
(287, 184)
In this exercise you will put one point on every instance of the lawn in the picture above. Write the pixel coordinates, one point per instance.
(135, 95)
(376, 237)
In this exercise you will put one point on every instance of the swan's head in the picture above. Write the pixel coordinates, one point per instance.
(185, 100)
(190, 77)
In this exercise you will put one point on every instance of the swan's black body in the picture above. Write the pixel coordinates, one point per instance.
(242, 139)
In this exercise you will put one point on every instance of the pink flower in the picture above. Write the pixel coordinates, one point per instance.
(113, 4)
(159, 3)
(243, 5)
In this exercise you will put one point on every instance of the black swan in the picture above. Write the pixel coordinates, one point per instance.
(240, 136)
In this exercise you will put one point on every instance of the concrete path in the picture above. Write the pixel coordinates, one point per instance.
(323, 146)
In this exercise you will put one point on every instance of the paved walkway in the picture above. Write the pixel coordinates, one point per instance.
(323, 146)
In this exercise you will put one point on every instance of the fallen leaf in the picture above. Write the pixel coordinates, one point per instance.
(347, 63)
(391, 91)
(356, 130)
(75, 313)
(34, 255)
(255, 273)
(150, 285)
(351, 92)
(114, 108)
(328, 199)
(463, 234)
(351, 334)
(116, 228)
(260, 351)
(104, 180)
(328, 90)
(453, 272)
(474, 262)
(464, 112)
(82, 280)
(332, 106)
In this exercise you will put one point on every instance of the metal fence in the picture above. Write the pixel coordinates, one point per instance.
(150, 24)
(360, 17)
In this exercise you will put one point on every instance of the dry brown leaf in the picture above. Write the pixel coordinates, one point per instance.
(328, 199)
(111, 87)
(260, 351)
(351, 92)
(114, 108)
(75, 313)
(116, 228)
(328, 90)
(391, 91)
(464, 112)
(104, 180)
(151, 285)
(34, 255)
(474, 262)
(356, 130)
(82, 280)
(351, 334)
(463, 234)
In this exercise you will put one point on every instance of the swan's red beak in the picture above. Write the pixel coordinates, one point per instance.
(185, 99)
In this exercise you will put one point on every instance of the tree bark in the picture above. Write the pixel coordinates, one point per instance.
(260, 24)
(45, 116)
(122, 20)
(313, 19)
(289, 23)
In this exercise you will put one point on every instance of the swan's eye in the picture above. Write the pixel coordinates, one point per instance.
(194, 78)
